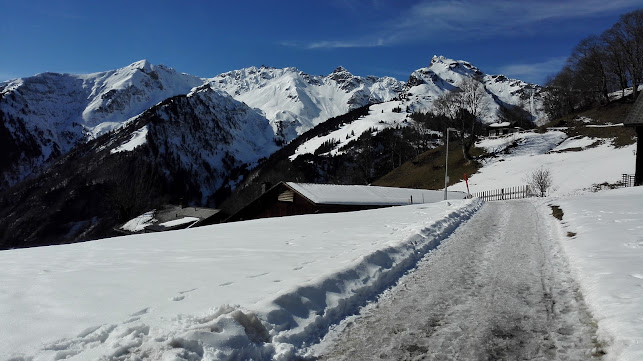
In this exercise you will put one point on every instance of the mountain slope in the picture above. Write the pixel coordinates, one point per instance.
(49, 114)
(295, 101)
(424, 86)
(445, 74)
(45, 116)
(190, 147)
(209, 135)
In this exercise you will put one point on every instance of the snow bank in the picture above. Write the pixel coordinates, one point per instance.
(260, 289)
(605, 248)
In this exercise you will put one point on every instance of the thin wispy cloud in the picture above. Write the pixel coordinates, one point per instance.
(367, 43)
(534, 72)
(463, 19)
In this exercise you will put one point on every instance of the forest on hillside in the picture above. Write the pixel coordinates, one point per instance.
(598, 66)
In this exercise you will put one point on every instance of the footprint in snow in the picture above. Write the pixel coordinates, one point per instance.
(226, 284)
(259, 275)
(636, 275)
(187, 291)
(141, 312)
(177, 298)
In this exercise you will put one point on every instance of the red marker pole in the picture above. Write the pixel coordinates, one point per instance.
(467, 182)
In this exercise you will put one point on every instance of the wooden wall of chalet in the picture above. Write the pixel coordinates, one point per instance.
(638, 177)
(282, 201)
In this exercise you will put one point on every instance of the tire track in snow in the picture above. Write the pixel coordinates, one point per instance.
(497, 289)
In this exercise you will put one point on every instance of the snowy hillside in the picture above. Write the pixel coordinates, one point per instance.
(191, 148)
(268, 289)
(445, 74)
(48, 114)
(233, 291)
(573, 171)
(295, 101)
(207, 134)
(424, 87)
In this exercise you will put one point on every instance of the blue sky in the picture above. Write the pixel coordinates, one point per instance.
(523, 39)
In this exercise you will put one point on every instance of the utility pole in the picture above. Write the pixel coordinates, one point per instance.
(446, 165)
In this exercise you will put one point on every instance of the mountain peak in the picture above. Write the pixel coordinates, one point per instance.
(141, 64)
(340, 69)
(439, 59)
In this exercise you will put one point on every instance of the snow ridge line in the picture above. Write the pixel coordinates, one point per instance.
(318, 306)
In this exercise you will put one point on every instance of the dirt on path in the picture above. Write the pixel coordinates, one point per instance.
(498, 289)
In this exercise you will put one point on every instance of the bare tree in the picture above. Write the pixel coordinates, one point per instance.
(597, 66)
(615, 60)
(540, 181)
(464, 108)
(626, 40)
(588, 64)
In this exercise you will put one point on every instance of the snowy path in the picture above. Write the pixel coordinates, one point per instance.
(498, 288)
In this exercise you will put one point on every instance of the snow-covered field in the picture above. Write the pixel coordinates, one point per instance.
(191, 294)
(573, 172)
(602, 234)
(266, 289)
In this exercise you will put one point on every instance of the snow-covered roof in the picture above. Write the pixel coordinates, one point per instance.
(499, 125)
(180, 221)
(168, 217)
(368, 195)
(635, 116)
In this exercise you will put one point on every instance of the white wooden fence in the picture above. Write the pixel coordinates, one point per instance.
(505, 193)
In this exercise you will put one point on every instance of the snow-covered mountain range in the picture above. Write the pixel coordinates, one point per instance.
(445, 74)
(45, 116)
(48, 114)
(295, 101)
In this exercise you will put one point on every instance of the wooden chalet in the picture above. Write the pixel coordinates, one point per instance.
(289, 199)
(635, 119)
(504, 128)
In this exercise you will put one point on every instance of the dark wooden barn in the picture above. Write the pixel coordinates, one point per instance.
(499, 129)
(635, 119)
(289, 199)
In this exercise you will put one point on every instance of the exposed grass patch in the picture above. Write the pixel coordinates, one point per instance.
(621, 136)
(613, 113)
(426, 171)
(557, 212)
(597, 187)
